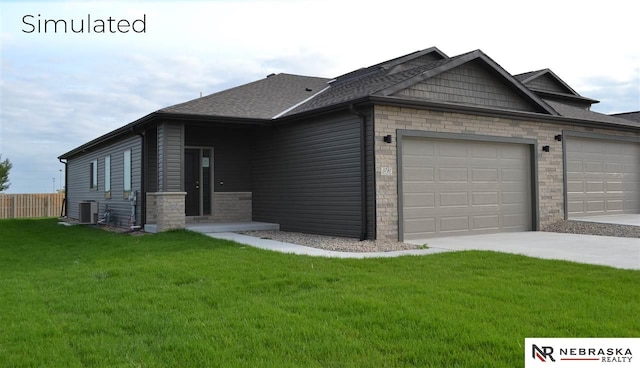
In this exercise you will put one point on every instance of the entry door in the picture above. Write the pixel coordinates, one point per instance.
(192, 181)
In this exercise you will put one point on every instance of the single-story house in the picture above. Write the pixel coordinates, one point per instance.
(423, 145)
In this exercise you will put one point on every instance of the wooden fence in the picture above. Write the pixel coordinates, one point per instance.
(30, 205)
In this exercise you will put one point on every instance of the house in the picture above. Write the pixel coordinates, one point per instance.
(420, 146)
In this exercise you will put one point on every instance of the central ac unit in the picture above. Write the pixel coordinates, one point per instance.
(88, 212)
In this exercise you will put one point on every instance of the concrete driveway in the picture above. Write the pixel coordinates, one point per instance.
(591, 249)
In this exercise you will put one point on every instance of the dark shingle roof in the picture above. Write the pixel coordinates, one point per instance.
(573, 112)
(632, 115)
(262, 99)
(380, 81)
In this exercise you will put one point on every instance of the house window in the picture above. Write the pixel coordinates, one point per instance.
(107, 177)
(93, 172)
(127, 173)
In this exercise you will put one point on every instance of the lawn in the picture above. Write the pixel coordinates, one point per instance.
(82, 297)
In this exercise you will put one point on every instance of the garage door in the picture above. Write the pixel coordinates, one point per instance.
(458, 187)
(602, 177)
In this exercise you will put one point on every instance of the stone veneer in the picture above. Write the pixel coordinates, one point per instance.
(166, 210)
(388, 119)
(232, 206)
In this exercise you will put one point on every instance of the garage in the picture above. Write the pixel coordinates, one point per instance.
(602, 176)
(463, 187)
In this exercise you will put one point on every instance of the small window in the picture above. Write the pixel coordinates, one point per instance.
(107, 177)
(93, 172)
(127, 173)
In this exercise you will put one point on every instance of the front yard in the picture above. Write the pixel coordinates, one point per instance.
(79, 296)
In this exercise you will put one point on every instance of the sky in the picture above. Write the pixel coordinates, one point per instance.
(59, 90)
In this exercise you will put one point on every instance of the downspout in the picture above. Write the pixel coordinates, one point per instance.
(66, 188)
(363, 173)
(143, 199)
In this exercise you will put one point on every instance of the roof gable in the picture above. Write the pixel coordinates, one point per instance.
(469, 84)
(473, 79)
(549, 86)
(545, 80)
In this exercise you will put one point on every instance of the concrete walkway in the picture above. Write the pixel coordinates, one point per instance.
(309, 251)
(598, 250)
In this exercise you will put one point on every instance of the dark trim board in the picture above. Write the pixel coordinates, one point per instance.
(533, 149)
(570, 133)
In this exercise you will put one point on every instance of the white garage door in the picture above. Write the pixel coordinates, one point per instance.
(458, 187)
(602, 177)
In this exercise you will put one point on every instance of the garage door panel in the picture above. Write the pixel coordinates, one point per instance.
(419, 173)
(514, 175)
(422, 200)
(575, 186)
(455, 149)
(484, 198)
(454, 224)
(453, 174)
(616, 205)
(487, 175)
(421, 226)
(453, 199)
(483, 151)
(595, 186)
(602, 176)
(474, 184)
(486, 222)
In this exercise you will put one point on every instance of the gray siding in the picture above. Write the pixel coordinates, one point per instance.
(306, 176)
(469, 84)
(78, 180)
(231, 155)
(547, 83)
(170, 157)
(151, 159)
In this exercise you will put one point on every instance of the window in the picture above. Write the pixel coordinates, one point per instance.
(93, 172)
(127, 173)
(107, 177)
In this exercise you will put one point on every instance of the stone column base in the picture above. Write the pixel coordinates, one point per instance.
(166, 211)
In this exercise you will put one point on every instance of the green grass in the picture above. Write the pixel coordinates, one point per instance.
(78, 296)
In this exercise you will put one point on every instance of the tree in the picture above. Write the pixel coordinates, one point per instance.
(5, 166)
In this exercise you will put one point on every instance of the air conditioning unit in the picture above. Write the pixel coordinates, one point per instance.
(88, 212)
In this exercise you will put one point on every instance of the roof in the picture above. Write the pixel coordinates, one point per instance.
(633, 116)
(380, 81)
(578, 113)
(283, 95)
(263, 99)
(561, 90)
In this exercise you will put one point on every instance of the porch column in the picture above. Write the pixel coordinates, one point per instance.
(165, 210)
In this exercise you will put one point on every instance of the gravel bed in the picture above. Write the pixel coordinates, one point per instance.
(332, 242)
(594, 228)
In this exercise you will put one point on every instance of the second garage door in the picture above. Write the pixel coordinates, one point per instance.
(603, 177)
(458, 187)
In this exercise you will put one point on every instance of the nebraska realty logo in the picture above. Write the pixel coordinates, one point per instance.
(581, 352)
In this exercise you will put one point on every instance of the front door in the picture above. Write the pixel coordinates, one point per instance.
(192, 181)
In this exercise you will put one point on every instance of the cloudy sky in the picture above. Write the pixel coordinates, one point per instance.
(59, 90)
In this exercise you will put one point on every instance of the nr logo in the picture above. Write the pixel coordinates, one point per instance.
(543, 353)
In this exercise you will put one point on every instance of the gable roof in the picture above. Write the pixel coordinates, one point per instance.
(263, 99)
(546, 83)
(287, 95)
(379, 80)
